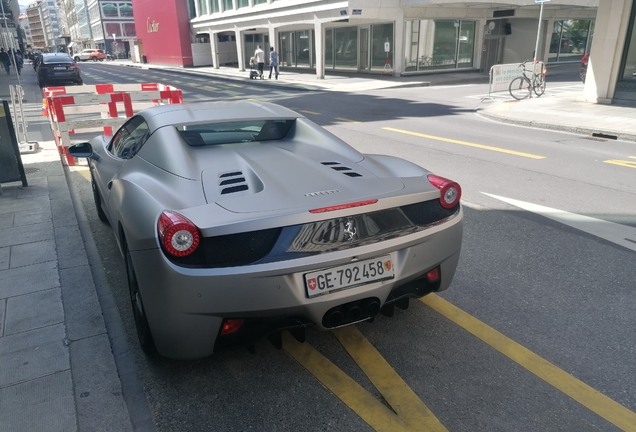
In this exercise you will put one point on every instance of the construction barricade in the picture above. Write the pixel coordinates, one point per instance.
(101, 108)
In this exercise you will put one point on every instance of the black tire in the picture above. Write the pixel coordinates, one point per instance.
(520, 88)
(539, 85)
(141, 322)
(77, 59)
(80, 82)
(98, 202)
(101, 59)
(94, 59)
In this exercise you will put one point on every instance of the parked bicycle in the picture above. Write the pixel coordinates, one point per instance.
(530, 80)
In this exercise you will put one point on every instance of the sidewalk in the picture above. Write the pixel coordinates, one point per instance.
(557, 110)
(61, 367)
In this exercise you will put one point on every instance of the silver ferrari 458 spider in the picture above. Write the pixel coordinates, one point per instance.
(238, 220)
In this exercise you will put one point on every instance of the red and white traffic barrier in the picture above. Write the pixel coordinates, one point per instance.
(114, 103)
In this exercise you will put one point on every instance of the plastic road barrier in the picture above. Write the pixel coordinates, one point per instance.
(99, 108)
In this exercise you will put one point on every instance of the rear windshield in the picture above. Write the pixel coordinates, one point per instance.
(235, 132)
(57, 59)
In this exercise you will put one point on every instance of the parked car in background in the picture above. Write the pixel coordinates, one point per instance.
(90, 54)
(238, 220)
(57, 68)
(584, 61)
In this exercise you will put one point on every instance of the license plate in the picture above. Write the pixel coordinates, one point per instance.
(349, 275)
(59, 68)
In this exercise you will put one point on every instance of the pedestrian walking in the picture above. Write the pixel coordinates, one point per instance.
(260, 59)
(19, 61)
(4, 59)
(273, 63)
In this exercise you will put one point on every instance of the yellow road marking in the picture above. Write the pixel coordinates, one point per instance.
(632, 157)
(587, 396)
(347, 120)
(465, 143)
(83, 171)
(411, 415)
(625, 163)
(309, 112)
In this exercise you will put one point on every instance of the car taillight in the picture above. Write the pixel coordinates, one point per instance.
(74, 66)
(230, 326)
(178, 235)
(450, 191)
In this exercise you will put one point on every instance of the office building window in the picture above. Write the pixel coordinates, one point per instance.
(243, 3)
(438, 44)
(203, 7)
(215, 6)
(259, 1)
(628, 66)
(227, 5)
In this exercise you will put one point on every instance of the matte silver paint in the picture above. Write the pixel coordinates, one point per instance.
(285, 180)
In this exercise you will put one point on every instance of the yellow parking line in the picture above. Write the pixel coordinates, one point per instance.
(309, 112)
(632, 157)
(372, 411)
(590, 398)
(625, 163)
(347, 120)
(465, 143)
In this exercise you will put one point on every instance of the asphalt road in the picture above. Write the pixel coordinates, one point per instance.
(536, 333)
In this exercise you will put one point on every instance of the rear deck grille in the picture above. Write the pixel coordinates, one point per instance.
(235, 179)
(337, 166)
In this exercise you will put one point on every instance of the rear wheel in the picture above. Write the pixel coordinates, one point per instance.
(520, 88)
(76, 58)
(139, 313)
(94, 59)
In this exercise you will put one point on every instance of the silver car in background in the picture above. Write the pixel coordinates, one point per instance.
(239, 220)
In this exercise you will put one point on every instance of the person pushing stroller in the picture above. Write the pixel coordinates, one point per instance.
(254, 68)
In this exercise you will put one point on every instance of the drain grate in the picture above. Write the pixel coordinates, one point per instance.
(606, 136)
(29, 170)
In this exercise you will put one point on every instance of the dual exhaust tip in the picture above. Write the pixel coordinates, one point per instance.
(349, 313)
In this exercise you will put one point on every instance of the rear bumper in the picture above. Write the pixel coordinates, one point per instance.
(185, 307)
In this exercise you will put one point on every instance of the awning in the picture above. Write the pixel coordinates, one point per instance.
(71, 44)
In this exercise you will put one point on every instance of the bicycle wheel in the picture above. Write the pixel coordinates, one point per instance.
(539, 85)
(520, 88)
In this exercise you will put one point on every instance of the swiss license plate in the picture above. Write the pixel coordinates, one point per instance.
(349, 275)
(60, 68)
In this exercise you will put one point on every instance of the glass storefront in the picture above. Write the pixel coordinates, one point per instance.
(296, 49)
(626, 86)
(571, 39)
(381, 34)
(438, 44)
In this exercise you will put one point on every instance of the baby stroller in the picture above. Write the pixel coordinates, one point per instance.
(254, 69)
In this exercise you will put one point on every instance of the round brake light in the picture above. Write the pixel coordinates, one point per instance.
(179, 237)
(450, 191)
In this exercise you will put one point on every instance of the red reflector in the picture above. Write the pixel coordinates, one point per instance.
(231, 326)
(433, 275)
(343, 206)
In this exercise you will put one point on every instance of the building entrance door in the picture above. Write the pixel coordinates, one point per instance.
(492, 52)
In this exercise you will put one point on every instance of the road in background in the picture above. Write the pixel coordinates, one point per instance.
(555, 283)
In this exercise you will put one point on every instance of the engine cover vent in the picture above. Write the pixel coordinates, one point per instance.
(232, 182)
(337, 166)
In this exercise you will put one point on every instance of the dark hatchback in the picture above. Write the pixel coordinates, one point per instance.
(58, 68)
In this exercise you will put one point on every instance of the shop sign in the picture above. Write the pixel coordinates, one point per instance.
(152, 26)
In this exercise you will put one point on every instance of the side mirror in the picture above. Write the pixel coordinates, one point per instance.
(82, 150)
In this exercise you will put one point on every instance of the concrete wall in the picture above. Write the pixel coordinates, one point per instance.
(519, 45)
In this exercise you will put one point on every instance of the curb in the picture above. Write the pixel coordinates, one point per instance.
(596, 133)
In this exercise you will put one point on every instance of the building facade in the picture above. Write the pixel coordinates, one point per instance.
(10, 36)
(24, 25)
(112, 26)
(402, 37)
(45, 29)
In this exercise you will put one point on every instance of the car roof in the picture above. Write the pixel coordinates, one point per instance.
(50, 56)
(207, 112)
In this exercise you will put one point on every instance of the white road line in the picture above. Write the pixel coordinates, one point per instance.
(616, 233)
